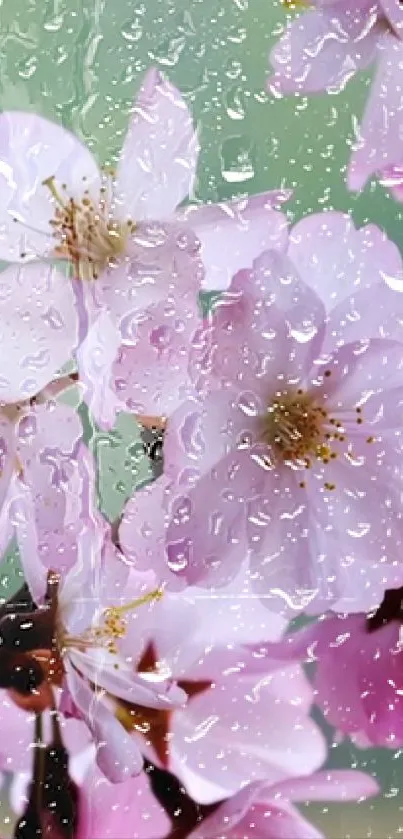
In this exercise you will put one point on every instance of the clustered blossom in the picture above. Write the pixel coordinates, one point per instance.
(150, 684)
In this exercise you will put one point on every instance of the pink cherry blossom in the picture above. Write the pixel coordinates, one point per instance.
(236, 726)
(129, 247)
(324, 47)
(266, 811)
(358, 682)
(90, 600)
(294, 439)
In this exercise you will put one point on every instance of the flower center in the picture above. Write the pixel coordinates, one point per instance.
(298, 429)
(85, 231)
(111, 627)
(294, 426)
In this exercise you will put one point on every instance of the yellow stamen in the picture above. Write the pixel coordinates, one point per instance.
(51, 185)
(85, 231)
(296, 4)
(114, 626)
(156, 594)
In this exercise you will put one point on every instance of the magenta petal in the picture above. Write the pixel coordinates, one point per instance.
(159, 156)
(233, 234)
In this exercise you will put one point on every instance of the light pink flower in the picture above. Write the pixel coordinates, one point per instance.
(236, 726)
(324, 47)
(266, 811)
(88, 619)
(292, 452)
(129, 246)
(358, 677)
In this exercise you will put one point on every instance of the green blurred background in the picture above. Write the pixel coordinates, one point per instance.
(80, 62)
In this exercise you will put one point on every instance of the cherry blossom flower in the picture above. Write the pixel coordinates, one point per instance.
(131, 810)
(236, 726)
(357, 681)
(77, 632)
(295, 436)
(128, 246)
(324, 47)
(90, 217)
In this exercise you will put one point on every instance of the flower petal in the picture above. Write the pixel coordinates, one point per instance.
(142, 532)
(95, 359)
(57, 469)
(251, 730)
(122, 682)
(234, 233)
(159, 157)
(358, 372)
(8, 464)
(268, 325)
(200, 433)
(259, 820)
(33, 149)
(151, 376)
(322, 49)
(330, 785)
(293, 561)
(38, 328)
(118, 754)
(205, 539)
(127, 811)
(379, 145)
(162, 263)
(338, 260)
